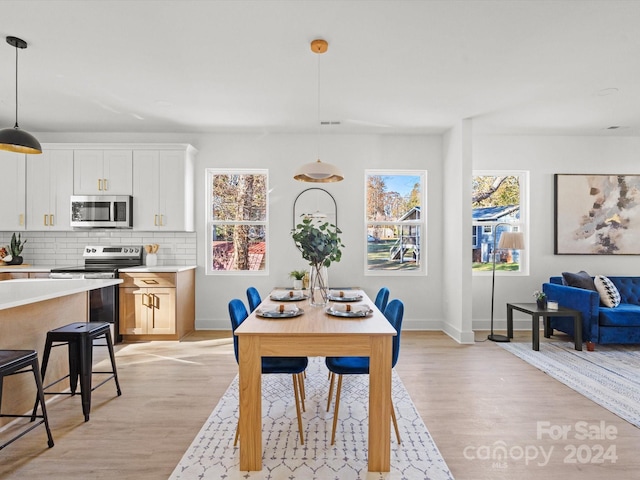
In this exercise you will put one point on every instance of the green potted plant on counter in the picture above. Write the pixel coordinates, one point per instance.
(14, 252)
(320, 245)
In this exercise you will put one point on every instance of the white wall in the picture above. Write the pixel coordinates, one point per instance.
(456, 233)
(544, 157)
(282, 154)
(441, 299)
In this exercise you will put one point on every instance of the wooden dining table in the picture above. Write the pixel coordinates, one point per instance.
(315, 333)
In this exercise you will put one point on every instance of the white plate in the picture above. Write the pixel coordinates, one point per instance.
(292, 296)
(354, 312)
(273, 311)
(335, 296)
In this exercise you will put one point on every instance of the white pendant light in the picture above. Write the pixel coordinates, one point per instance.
(15, 139)
(319, 172)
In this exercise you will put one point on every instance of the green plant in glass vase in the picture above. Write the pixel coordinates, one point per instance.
(320, 245)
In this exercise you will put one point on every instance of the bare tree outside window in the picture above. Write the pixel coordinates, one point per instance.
(238, 220)
(497, 207)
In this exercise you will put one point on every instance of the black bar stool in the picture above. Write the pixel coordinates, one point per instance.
(79, 337)
(14, 362)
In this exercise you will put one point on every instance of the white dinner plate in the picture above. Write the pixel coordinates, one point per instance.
(274, 311)
(291, 296)
(350, 311)
(344, 296)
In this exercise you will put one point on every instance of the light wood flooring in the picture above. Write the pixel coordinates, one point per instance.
(473, 398)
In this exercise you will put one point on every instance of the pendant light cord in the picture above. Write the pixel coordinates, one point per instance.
(318, 114)
(16, 125)
(14, 139)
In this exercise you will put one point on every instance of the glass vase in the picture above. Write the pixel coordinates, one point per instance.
(319, 286)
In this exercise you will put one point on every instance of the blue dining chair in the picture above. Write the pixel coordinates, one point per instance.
(294, 366)
(360, 365)
(382, 298)
(253, 297)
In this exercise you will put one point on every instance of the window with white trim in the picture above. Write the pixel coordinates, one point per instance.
(499, 204)
(395, 219)
(237, 221)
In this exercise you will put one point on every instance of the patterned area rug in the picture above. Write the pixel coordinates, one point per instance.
(213, 456)
(610, 376)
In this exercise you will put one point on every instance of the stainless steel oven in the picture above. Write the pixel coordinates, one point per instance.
(103, 262)
(108, 211)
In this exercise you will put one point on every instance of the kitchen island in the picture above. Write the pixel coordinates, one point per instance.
(29, 308)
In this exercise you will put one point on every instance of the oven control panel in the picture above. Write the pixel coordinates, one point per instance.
(123, 251)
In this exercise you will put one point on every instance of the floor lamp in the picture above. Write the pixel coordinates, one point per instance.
(508, 241)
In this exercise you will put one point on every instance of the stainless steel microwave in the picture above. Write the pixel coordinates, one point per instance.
(108, 211)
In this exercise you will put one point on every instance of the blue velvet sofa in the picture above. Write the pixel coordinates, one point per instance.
(600, 324)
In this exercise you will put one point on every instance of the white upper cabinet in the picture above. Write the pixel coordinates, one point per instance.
(36, 189)
(49, 190)
(12, 192)
(163, 197)
(102, 172)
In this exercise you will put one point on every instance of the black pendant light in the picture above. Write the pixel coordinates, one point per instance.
(14, 139)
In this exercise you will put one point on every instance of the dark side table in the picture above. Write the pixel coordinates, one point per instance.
(537, 313)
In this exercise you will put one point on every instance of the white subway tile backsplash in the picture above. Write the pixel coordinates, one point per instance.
(66, 248)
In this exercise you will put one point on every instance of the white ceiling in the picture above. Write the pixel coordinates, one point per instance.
(540, 67)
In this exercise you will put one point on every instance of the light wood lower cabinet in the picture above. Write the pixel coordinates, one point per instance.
(17, 275)
(147, 311)
(157, 306)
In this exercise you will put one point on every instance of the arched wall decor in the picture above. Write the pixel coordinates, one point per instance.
(315, 202)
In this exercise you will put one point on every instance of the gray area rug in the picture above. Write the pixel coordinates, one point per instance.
(213, 456)
(610, 376)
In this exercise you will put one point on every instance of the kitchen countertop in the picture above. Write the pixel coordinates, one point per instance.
(140, 269)
(27, 268)
(14, 293)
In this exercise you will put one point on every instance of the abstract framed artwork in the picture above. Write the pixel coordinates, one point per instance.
(597, 214)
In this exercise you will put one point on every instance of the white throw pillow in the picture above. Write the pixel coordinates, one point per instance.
(609, 295)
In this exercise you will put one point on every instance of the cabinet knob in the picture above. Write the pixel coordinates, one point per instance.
(100, 184)
(51, 220)
(106, 184)
(46, 220)
(21, 219)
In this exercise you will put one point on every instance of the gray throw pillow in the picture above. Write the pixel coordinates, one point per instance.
(580, 280)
